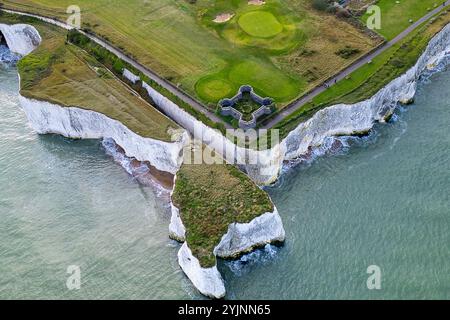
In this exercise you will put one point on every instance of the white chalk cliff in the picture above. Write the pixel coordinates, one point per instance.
(345, 119)
(244, 237)
(241, 238)
(78, 123)
(264, 167)
(74, 122)
(332, 121)
(20, 38)
(207, 280)
(335, 120)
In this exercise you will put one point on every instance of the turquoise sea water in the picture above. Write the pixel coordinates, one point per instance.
(384, 201)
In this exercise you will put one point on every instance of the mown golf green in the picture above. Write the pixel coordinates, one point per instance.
(180, 41)
(267, 81)
(260, 24)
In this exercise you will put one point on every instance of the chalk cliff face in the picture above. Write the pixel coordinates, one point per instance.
(244, 237)
(78, 123)
(264, 167)
(207, 280)
(241, 238)
(336, 120)
(45, 117)
(21, 38)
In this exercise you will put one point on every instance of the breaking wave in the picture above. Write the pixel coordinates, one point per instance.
(8, 58)
(246, 262)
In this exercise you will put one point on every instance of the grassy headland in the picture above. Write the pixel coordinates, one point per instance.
(369, 79)
(282, 48)
(66, 75)
(210, 198)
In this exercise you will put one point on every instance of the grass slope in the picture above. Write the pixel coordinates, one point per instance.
(66, 75)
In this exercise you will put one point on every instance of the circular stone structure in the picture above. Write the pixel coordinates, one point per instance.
(260, 24)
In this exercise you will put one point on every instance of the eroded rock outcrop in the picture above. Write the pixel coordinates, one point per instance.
(241, 238)
(244, 237)
(78, 123)
(20, 38)
(207, 280)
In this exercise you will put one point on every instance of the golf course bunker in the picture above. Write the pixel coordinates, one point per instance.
(224, 17)
(260, 24)
(256, 2)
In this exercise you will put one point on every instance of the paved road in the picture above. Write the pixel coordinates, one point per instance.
(343, 74)
(286, 111)
(149, 73)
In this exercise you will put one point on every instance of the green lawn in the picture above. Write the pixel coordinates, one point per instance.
(179, 40)
(370, 78)
(395, 16)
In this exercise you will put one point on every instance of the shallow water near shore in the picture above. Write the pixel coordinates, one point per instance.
(65, 202)
(384, 202)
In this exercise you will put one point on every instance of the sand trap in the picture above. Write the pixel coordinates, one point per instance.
(224, 17)
(256, 2)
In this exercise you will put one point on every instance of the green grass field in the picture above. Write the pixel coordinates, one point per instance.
(66, 75)
(395, 16)
(210, 198)
(263, 46)
(369, 79)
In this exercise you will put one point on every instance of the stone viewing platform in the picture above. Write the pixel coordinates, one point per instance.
(230, 106)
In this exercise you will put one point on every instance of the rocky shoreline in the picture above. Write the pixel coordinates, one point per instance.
(167, 157)
(240, 239)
